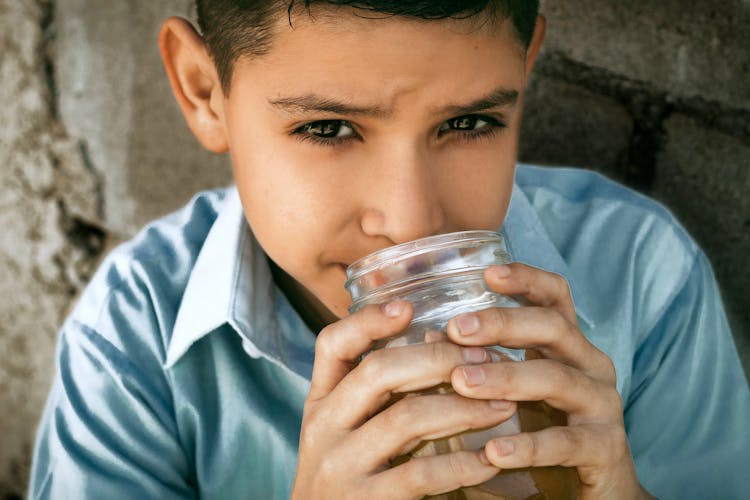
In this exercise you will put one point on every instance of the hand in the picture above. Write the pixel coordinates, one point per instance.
(347, 438)
(570, 374)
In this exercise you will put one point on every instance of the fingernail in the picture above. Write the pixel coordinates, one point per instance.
(500, 404)
(474, 355)
(504, 447)
(468, 324)
(483, 457)
(394, 309)
(474, 375)
(502, 271)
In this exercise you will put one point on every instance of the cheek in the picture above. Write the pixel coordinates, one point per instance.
(291, 204)
(281, 184)
(475, 188)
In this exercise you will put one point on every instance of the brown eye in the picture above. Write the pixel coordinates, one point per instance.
(464, 123)
(328, 129)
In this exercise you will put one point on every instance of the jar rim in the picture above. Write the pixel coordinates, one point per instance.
(410, 249)
(420, 282)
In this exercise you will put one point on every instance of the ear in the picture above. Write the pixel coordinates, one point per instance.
(536, 43)
(195, 82)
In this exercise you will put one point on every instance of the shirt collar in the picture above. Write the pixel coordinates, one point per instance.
(231, 284)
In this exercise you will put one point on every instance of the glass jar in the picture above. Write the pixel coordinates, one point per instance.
(443, 276)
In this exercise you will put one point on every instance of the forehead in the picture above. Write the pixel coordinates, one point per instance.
(351, 53)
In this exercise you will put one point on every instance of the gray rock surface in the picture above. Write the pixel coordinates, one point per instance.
(690, 49)
(114, 93)
(48, 198)
(556, 129)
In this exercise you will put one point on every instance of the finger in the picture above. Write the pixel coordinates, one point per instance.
(392, 371)
(398, 429)
(340, 345)
(538, 287)
(585, 399)
(432, 475)
(540, 328)
(569, 446)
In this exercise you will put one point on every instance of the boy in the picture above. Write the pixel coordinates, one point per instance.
(213, 355)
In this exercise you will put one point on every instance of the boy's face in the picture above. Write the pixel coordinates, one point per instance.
(354, 134)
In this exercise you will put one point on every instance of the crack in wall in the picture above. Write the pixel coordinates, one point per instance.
(88, 163)
(734, 122)
(46, 19)
(649, 108)
(58, 236)
(86, 236)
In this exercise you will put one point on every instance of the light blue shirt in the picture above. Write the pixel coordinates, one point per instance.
(183, 370)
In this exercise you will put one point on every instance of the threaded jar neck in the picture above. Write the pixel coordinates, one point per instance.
(397, 271)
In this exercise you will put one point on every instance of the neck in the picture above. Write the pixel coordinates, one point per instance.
(312, 311)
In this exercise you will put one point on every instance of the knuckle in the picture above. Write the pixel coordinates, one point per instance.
(416, 475)
(570, 438)
(327, 468)
(533, 448)
(499, 317)
(559, 375)
(614, 402)
(456, 465)
(571, 329)
(324, 345)
(560, 329)
(560, 284)
(608, 370)
(371, 367)
(308, 438)
(393, 417)
(503, 377)
(407, 411)
(313, 417)
(618, 441)
(443, 353)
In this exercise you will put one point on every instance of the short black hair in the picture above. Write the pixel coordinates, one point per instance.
(235, 28)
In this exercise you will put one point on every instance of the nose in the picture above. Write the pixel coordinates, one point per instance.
(402, 203)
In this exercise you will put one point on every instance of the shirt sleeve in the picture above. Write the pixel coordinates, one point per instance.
(108, 428)
(688, 417)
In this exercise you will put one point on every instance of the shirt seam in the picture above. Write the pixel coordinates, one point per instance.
(658, 317)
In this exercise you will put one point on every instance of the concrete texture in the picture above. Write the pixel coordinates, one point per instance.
(556, 131)
(49, 214)
(113, 92)
(92, 146)
(686, 48)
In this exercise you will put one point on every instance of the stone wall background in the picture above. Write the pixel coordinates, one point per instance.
(92, 146)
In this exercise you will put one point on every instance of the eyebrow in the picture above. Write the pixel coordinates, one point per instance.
(310, 103)
(500, 97)
(314, 103)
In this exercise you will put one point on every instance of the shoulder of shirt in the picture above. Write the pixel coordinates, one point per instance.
(653, 250)
(582, 186)
(141, 281)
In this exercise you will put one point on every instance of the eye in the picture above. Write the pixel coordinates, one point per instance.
(470, 127)
(326, 132)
